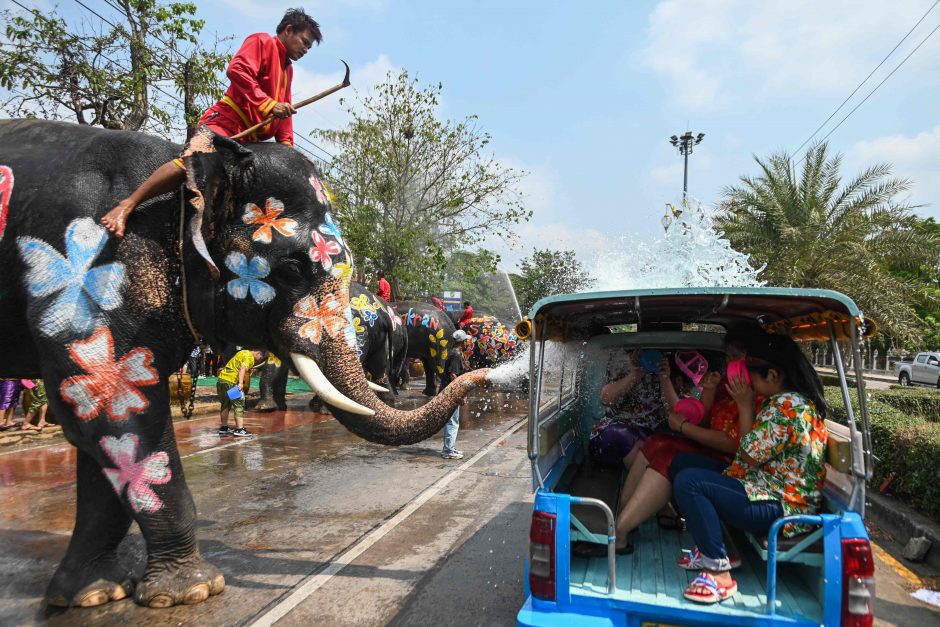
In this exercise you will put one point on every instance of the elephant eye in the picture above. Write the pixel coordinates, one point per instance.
(290, 268)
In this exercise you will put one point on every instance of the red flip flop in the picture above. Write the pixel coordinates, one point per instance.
(714, 592)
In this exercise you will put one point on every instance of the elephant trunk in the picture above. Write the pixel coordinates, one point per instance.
(358, 408)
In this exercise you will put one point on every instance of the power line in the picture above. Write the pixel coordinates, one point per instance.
(859, 86)
(101, 17)
(865, 99)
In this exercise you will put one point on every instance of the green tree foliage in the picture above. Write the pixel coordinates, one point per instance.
(144, 70)
(409, 188)
(810, 230)
(547, 272)
(475, 276)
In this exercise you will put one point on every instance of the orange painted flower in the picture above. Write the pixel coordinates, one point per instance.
(268, 220)
(327, 315)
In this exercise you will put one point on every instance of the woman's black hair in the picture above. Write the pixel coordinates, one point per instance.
(782, 354)
(746, 334)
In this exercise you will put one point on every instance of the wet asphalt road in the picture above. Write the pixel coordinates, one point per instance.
(278, 510)
(312, 525)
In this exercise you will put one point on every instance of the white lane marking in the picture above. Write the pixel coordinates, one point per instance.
(314, 582)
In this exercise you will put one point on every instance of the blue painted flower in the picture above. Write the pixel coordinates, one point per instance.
(249, 278)
(85, 292)
(329, 228)
(369, 316)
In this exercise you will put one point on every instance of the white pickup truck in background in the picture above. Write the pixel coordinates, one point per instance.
(924, 370)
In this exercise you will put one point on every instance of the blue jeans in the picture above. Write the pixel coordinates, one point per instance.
(707, 497)
(683, 461)
(450, 431)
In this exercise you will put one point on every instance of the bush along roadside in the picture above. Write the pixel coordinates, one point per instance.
(906, 447)
(923, 402)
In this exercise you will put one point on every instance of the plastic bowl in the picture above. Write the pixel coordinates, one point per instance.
(737, 369)
(691, 409)
(649, 360)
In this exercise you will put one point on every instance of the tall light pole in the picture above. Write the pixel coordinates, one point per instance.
(685, 144)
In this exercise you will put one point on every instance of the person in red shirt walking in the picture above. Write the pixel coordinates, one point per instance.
(385, 290)
(467, 314)
(260, 73)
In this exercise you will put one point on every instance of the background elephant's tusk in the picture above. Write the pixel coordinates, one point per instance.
(312, 375)
(377, 388)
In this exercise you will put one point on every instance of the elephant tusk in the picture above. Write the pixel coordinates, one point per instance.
(375, 387)
(312, 375)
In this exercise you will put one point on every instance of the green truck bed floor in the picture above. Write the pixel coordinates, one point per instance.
(650, 575)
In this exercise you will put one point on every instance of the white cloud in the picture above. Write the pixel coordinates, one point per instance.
(716, 51)
(912, 156)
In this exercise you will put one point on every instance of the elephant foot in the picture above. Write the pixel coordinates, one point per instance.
(178, 582)
(428, 392)
(315, 404)
(105, 582)
(265, 405)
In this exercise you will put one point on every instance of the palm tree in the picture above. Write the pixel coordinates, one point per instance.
(809, 232)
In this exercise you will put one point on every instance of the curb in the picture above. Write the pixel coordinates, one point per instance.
(903, 523)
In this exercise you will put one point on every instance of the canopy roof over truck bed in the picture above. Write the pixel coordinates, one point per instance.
(802, 313)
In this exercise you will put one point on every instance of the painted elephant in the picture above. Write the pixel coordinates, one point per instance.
(381, 342)
(247, 253)
(492, 342)
(430, 334)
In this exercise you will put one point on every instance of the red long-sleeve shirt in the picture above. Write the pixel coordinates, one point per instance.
(385, 290)
(260, 75)
(465, 318)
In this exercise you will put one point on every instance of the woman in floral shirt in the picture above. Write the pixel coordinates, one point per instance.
(777, 471)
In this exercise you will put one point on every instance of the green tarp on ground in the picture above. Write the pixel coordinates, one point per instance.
(295, 385)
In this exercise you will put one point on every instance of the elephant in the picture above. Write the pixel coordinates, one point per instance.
(381, 340)
(492, 342)
(430, 333)
(245, 253)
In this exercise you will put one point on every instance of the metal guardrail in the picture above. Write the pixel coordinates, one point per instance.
(772, 553)
(611, 538)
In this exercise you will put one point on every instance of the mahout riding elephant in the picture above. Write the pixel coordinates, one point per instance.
(247, 253)
(492, 342)
(430, 336)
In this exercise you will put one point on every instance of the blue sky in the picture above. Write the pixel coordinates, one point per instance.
(584, 96)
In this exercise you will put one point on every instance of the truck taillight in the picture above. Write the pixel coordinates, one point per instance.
(542, 556)
(858, 583)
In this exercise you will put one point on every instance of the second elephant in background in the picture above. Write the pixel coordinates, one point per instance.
(430, 338)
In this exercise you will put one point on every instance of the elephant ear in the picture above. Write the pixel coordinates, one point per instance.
(218, 169)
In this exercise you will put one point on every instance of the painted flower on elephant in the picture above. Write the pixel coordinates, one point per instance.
(6, 190)
(268, 220)
(323, 194)
(357, 325)
(249, 278)
(110, 385)
(370, 316)
(329, 228)
(138, 476)
(84, 292)
(328, 315)
(323, 250)
(359, 302)
(342, 271)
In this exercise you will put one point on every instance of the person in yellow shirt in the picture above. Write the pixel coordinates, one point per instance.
(236, 375)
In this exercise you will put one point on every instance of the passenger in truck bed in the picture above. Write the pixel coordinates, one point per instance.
(777, 471)
(634, 409)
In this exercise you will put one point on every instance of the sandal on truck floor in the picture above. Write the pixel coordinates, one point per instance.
(581, 548)
(709, 591)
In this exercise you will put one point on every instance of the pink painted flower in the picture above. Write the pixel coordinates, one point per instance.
(327, 315)
(108, 385)
(268, 220)
(322, 194)
(138, 476)
(323, 250)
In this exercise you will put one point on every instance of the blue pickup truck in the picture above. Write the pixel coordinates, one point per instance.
(824, 577)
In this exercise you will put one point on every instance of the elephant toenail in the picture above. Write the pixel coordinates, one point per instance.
(57, 601)
(161, 600)
(93, 598)
(196, 594)
(217, 584)
(118, 593)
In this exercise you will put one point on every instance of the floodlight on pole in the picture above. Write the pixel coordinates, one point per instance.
(685, 144)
